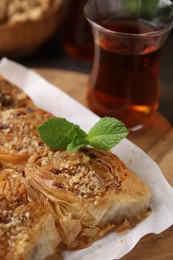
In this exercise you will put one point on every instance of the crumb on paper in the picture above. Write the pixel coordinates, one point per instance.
(99, 246)
(130, 161)
(133, 150)
(148, 176)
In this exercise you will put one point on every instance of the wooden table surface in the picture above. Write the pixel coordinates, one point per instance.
(156, 140)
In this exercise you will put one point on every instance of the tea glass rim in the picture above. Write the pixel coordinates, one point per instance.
(158, 32)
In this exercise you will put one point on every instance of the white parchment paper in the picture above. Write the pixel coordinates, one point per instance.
(52, 99)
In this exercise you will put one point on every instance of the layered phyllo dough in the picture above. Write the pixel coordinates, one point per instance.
(55, 200)
(27, 224)
(91, 191)
(18, 136)
(12, 97)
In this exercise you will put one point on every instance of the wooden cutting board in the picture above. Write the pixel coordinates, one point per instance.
(156, 140)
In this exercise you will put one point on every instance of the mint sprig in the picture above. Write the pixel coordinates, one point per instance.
(106, 133)
(58, 133)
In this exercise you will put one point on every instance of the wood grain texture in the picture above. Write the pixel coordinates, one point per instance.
(156, 139)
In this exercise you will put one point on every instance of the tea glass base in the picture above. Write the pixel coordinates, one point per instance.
(134, 120)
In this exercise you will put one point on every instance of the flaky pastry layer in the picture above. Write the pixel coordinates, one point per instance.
(92, 192)
(27, 225)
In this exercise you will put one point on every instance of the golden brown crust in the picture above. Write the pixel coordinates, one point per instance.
(90, 192)
(90, 189)
(12, 97)
(18, 135)
(25, 220)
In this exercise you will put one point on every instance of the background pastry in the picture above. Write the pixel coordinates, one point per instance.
(27, 225)
(12, 97)
(18, 136)
(91, 191)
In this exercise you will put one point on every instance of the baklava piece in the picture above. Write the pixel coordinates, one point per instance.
(18, 136)
(92, 193)
(27, 224)
(12, 97)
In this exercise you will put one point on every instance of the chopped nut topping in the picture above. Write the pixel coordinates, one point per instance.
(85, 173)
(21, 96)
(18, 131)
(11, 96)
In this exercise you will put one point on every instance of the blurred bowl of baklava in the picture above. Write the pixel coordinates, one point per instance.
(26, 25)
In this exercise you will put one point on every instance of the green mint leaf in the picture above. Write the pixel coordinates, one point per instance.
(57, 133)
(77, 143)
(106, 133)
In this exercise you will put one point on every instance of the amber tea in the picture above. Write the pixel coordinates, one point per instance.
(125, 83)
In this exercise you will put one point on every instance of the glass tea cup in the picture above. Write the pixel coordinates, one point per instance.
(128, 38)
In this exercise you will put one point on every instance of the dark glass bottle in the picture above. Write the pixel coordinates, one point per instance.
(77, 38)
